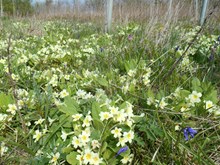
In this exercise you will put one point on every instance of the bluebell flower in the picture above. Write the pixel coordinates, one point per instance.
(189, 131)
(218, 39)
(211, 57)
(101, 49)
(121, 150)
(177, 48)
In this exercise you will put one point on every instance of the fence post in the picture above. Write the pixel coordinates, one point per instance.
(196, 8)
(170, 9)
(108, 18)
(203, 12)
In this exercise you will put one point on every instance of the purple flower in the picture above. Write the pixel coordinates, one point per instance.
(130, 37)
(121, 150)
(189, 131)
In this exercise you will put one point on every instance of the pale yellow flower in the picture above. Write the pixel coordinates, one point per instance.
(37, 135)
(88, 156)
(129, 136)
(12, 109)
(76, 142)
(117, 132)
(105, 116)
(194, 97)
(64, 93)
(76, 117)
(95, 159)
(127, 159)
(55, 158)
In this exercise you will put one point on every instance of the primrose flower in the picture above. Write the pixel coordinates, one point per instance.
(3, 117)
(105, 116)
(121, 141)
(129, 122)
(3, 149)
(121, 150)
(116, 132)
(189, 131)
(150, 101)
(64, 93)
(51, 121)
(76, 117)
(95, 159)
(129, 110)
(40, 121)
(66, 77)
(217, 112)
(127, 158)
(20, 104)
(81, 93)
(37, 135)
(86, 121)
(12, 109)
(54, 159)
(177, 127)
(87, 158)
(84, 137)
(113, 110)
(76, 142)
(95, 144)
(129, 136)
(79, 158)
(146, 79)
(131, 73)
(162, 103)
(208, 104)
(195, 97)
(64, 135)
(125, 88)
(120, 116)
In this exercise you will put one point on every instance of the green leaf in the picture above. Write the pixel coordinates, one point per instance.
(102, 81)
(184, 93)
(71, 158)
(95, 134)
(139, 141)
(98, 124)
(103, 147)
(5, 100)
(107, 154)
(212, 96)
(196, 85)
(157, 130)
(70, 106)
(67, 150)
(150, 93)
(95, 110)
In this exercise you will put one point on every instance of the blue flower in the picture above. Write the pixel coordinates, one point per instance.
(211, 57)
(121, 150)
(189, 131)
(177, 48)
(218, 39)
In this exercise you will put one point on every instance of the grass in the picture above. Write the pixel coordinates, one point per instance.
(47, 57)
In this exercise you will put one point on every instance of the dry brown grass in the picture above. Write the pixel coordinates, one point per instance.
(126, 12)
